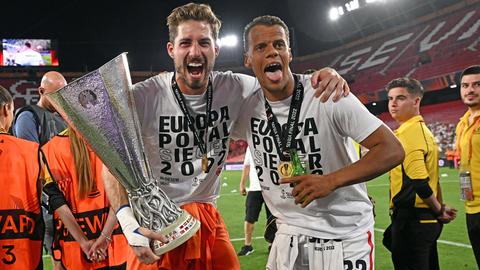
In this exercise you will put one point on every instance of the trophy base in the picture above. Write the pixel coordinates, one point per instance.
(177, 233)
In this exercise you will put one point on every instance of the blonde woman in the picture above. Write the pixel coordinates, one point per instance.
(86, 232)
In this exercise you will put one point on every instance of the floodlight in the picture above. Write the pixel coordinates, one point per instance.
(334, 13)
(228, 41)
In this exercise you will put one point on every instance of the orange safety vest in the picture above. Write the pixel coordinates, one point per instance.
(21, 222)
(90, 213)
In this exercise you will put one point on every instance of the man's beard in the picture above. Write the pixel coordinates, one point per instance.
(182, 71)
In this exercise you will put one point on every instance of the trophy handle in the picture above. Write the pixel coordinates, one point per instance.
(155, 211)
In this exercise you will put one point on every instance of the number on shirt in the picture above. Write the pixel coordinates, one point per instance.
(9, 257)
(359, 265)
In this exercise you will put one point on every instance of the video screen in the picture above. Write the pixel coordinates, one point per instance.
(28, 52)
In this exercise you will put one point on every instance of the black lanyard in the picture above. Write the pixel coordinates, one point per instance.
(284, 142)
(183, 106)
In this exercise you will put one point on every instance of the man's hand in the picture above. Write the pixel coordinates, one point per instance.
(145, 255)
(327, 80)
(152, 235)
(448, 214)
(309, 187)
(243, 190)
(138, 238)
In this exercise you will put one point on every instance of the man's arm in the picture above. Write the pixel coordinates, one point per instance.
(385, 153)
(243, 180)
(326, 81)
(26, 127)
(116, 193)
(138, 237)
(416, 169)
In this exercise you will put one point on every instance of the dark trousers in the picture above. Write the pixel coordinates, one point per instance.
(473, 227)
(413, 244)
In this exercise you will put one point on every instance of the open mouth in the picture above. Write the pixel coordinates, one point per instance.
(274, 72)
(195, 69)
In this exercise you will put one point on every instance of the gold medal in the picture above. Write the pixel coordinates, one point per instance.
(285, 169)
(204, 163)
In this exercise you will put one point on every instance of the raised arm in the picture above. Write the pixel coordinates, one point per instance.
(326, 81)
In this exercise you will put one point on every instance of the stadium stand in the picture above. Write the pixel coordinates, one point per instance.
(447, 112)
(431, 46)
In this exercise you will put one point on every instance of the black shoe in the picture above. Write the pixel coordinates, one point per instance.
(245, 251)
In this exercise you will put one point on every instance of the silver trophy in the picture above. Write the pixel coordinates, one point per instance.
(101, 107)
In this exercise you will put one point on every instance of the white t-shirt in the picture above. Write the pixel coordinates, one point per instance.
(324, 146)
(254, 183)
(170, 147)
(29, 57)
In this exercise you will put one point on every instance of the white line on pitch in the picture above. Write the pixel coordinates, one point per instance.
(241, 239)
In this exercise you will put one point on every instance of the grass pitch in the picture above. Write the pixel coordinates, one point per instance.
(454, 248)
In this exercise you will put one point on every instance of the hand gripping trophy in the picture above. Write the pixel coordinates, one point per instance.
(100, 106)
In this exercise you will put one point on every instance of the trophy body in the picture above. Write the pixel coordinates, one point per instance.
(101, 107)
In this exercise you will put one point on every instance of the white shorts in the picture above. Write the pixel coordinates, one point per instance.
(292, 251)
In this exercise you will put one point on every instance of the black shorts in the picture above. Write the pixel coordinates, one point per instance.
(253, 206)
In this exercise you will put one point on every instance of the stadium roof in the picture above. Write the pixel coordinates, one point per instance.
(91, 32)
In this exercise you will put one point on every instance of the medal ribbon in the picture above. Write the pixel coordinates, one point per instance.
(284, 140)
(183, 106)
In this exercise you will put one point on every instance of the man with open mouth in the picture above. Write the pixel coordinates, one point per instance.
(324, 217)
(186, 119)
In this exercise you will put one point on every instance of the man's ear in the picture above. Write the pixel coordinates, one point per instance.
(418, 100)
(290, 54)
(170, 49)
(41, 90)
(4, 110)
(247, 62)
(217, 50)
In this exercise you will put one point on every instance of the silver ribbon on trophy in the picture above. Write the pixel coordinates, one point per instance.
(101, 107)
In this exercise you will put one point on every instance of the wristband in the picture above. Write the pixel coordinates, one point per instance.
(130, 226)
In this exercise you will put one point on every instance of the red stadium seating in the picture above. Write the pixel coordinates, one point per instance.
(447, 112)
(397, 51)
